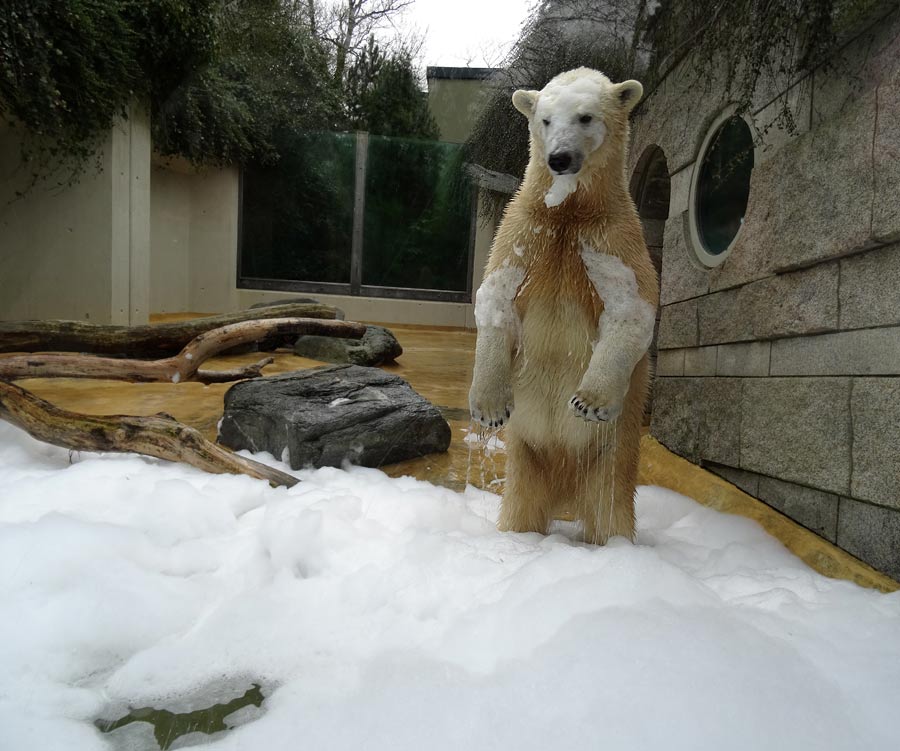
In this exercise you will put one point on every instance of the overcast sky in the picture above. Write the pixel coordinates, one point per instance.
(466, 32)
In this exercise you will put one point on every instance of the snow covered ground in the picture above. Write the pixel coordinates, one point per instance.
(384, 613)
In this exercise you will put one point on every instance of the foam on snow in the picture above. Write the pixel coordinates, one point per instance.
(385, 613)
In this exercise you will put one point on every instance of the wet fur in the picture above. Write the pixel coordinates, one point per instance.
(555, 459)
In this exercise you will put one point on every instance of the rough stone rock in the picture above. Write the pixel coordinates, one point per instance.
(719, 420)
(858, 352)
(681, 277)
(870, 288)
(678, 325)
(871, 533)
(699, 418)
(750, 359)
(723, 317)
(876, 437)
(795, 216)
(326, 416)
(673, 420)
(885, 206)
(814, 509)
(798, 429)
(801, 302)
(377, 346)
(670, 362)
(746, 481)
(671, 123)
(700, 361)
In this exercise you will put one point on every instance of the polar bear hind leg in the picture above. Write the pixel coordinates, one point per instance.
(528, 497)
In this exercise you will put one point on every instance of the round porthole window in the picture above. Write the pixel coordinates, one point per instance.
(721, 187)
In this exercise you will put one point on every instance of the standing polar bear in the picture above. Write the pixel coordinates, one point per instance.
(565, 315)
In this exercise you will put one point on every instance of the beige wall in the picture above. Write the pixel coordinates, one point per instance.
(193, 238)
(214, 240)
(170, 237)
(138, 237)
(78, 252)
(54, 245)
(455, 104)
(130, 220)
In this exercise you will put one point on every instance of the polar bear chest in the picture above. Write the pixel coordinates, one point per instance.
(559, 309)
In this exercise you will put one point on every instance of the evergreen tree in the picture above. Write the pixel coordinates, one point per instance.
(383, 95)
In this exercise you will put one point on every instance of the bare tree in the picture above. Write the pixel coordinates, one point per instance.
(348, 24)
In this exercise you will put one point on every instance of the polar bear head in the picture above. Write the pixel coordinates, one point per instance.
(576, 121)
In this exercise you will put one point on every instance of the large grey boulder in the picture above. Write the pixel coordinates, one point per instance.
(325, 416)
(378, 346)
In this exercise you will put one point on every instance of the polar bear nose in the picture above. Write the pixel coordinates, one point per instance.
(562, 162)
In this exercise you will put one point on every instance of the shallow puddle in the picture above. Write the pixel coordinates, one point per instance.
(148, 728)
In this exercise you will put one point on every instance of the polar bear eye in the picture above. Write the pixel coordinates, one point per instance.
(546, 122)
(585, 119)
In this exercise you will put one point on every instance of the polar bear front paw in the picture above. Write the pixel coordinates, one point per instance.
(491, 407)
(588, 407)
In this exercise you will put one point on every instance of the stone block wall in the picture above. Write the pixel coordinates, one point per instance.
(780, 369)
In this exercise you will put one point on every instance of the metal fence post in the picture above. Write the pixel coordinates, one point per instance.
(359, 211)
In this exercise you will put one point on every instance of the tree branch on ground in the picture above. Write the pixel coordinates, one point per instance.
(153, 340)
(179, 368)
(160, 436)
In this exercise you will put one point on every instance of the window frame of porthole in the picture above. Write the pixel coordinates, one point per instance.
(701, 255)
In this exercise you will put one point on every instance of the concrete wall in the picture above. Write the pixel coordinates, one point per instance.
(78, 252)
(141, 237)
(215, 201)
(780, 369)
(455, 98)
(194, 237)
(170, 238)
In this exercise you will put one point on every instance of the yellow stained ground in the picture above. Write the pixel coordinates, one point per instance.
(438, 364)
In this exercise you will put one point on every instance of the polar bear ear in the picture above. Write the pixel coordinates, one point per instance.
(629, 93)
(524, 101)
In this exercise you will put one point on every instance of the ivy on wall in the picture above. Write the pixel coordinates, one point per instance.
(69, 68)
(225, 82)
(755, 43)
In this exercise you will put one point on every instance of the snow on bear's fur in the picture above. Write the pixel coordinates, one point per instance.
(565, 315)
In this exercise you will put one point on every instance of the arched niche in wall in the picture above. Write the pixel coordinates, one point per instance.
(650, 190)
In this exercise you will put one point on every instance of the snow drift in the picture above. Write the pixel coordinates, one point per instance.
(389, 613)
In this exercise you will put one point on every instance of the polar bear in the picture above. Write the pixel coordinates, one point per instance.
(565, 315)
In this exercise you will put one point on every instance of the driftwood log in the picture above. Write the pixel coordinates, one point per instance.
(160, 436)
(185, 366)
(154, 340)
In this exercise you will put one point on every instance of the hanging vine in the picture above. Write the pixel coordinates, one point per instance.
(757, 43)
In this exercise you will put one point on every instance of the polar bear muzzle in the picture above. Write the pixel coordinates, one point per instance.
(565, 162)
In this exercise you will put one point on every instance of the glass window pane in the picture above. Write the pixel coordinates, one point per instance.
(297, 215)
(724, 185)
(418, 215)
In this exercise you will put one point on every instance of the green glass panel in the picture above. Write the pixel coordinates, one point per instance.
(297, 215)
(724, 185)
(418, 215)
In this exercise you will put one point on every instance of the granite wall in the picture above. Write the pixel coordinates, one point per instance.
(780, 369)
